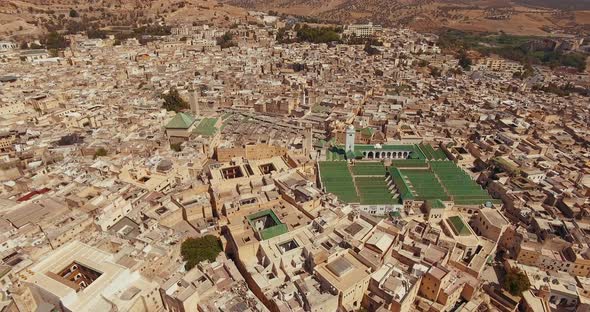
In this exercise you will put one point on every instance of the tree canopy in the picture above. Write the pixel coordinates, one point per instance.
(516, 282)
(173, 101)
(226, 41)
(317, 34)
(74, 13)
(100, 152)
(195, 250)
(464, 61)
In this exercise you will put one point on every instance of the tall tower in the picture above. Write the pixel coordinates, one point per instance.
(308, 140)
(303, 98)
(194, 102)
(350, 138)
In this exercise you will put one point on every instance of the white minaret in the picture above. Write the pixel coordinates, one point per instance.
(308, 140)
(194, 102)
(350, 138)
(303, 98)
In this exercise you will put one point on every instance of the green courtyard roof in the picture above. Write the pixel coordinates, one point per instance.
(459, 226)
(272, 231)
(180, 121)
(367, 131)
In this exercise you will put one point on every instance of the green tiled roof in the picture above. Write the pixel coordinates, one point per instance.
(180, 121)
(367, 131)
(335, 154)
(206, 127)
(368, 169)
(431, 153)
(459, 226)
(436, 204)
(273, 231)
(264, 213)
(350, 155)
(374, 191)
(409, 163)
(336, 179)
(403, 188)
(270, 232)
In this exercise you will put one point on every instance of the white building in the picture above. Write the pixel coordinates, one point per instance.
(363, 30)
(350, 133)
(78, 277)
(7, 45)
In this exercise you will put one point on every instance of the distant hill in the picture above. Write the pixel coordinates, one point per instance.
(558, 4)
(530, 17)
(32, 18)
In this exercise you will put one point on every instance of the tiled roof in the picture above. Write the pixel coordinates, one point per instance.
(180, 121)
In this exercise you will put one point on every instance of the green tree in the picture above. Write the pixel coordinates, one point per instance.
(516, 282)
(55, 40)
(226, 41)
(176, 147)
(435, 72)
(100, 152)
(96, 34)
(74, 13)
(464, 61)
(455, 71)
(173, 101)
(423, 63)
(195, 250)
(317, 34)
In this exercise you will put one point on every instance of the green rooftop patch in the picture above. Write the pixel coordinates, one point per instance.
(267, 224)
(436, 204)
(459, 185)
(458, 226)
(180, 121)
(336, 179)
(431, 153)
(421, 184)
(335, 154)
(374, 191)
(368, 131)
(368, 169)
(206, 127)
(409, 163)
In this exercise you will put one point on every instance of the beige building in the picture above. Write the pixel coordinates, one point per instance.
(490, 223)
(559, 257)
(78, 277)
(393, 288)
(182, 293)
(346, 276)
(12, 108)
(249, 151)
(446, 286)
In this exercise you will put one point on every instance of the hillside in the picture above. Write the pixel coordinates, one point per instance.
(525, 17)
(31, 18)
